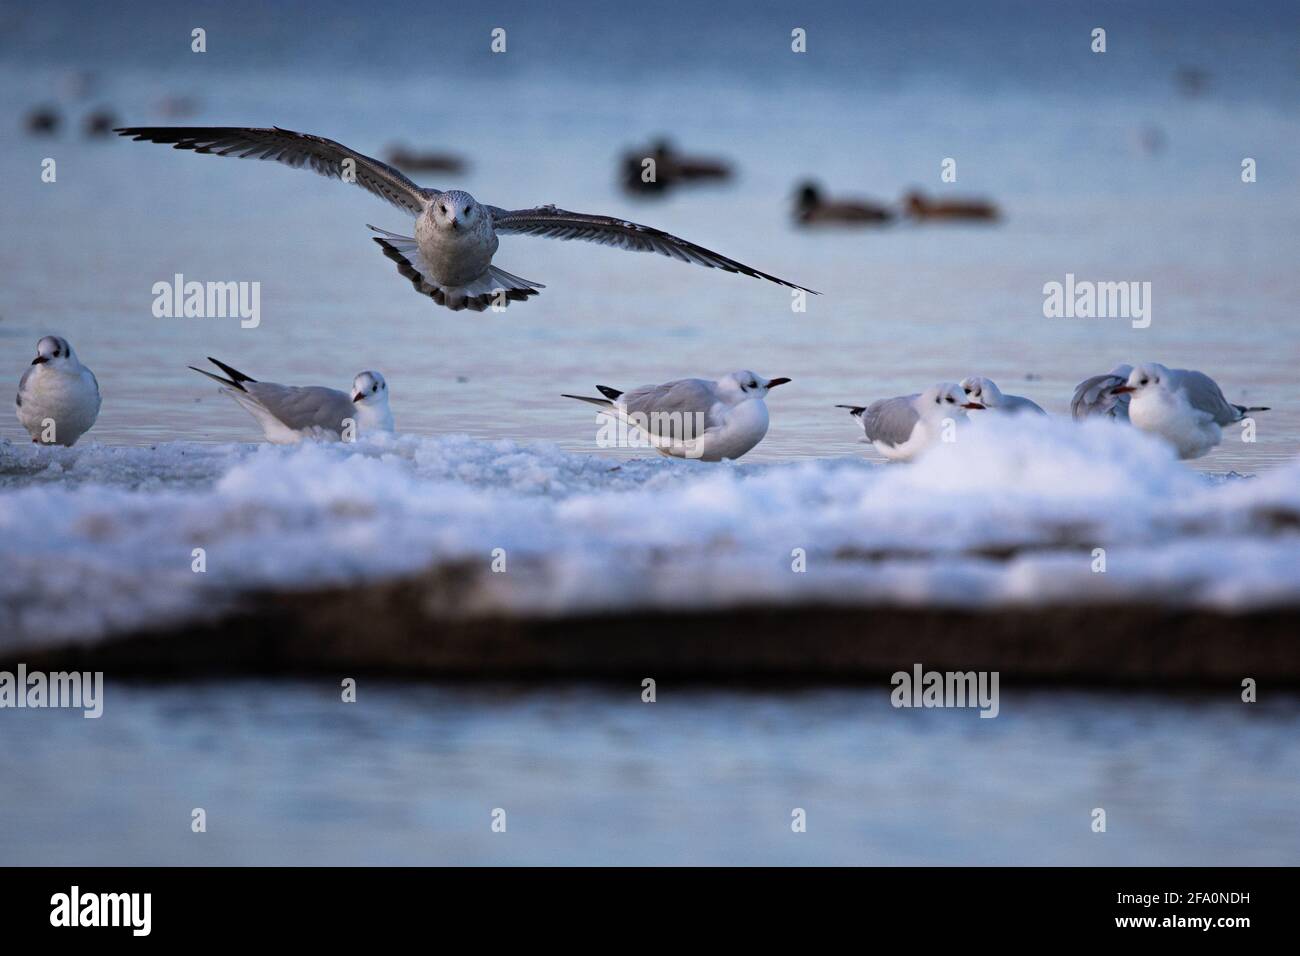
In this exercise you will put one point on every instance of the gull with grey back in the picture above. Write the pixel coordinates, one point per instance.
(1184, 407)
(903, 427)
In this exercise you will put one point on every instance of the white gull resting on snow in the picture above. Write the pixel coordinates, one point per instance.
(450, 257)
(1184, 407)
(983, 391)
(693, 417)
(903, 427)
(58, 397)
(1097, 396)
(290, 413)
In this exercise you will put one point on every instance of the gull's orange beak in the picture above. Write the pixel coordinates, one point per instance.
(972, 405)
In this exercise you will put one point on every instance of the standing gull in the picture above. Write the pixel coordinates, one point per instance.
(903, 427)
(1098, 396)
(289, 413)
(694, 417)
(985, 392)
(1182, 406)
(58, 397)
(450, 257)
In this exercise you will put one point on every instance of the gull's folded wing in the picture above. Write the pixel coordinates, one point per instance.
(293, 149)
(552, 223)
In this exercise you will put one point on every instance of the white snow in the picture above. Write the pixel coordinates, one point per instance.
(96, 539)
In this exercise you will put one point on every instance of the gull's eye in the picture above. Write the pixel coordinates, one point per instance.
(374, 388)
(443, 210)
(1143, 382)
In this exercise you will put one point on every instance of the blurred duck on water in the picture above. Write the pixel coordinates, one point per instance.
(660, 167)
(814, 209)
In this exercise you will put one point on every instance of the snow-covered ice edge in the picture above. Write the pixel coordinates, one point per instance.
(99, 540)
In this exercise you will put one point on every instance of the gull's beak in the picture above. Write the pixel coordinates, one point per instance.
(357, 397)
(1119, 389)
(972, 405)
(40, 360)
(773, 383)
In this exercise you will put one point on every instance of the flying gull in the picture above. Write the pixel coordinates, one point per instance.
(449, 258)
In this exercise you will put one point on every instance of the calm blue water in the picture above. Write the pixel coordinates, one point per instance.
(410, 774)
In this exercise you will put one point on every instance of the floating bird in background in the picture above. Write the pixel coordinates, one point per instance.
(418, 162)
(1097, 396)
(1184, 407)
(813, 209)
(918, 206)
(98, 123)
(58, 397)
(985, 392)
(694, 417)
(671, 168)
(903, 427)
(450, 257)
(289, 413)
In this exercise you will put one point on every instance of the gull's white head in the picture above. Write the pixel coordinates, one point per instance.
(1145, 379)
(369, 388)
(945, 400)
(743, 385)
(54, 352)
(982, 391)
(456, 209)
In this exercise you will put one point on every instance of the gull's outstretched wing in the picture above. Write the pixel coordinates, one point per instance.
(552, 223)
(890, 420)
(293, 149)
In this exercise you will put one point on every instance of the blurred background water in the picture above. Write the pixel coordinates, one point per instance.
(1117, 166)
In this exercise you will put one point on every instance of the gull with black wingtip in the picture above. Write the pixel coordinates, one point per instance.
(291, 413)
(58, 397)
